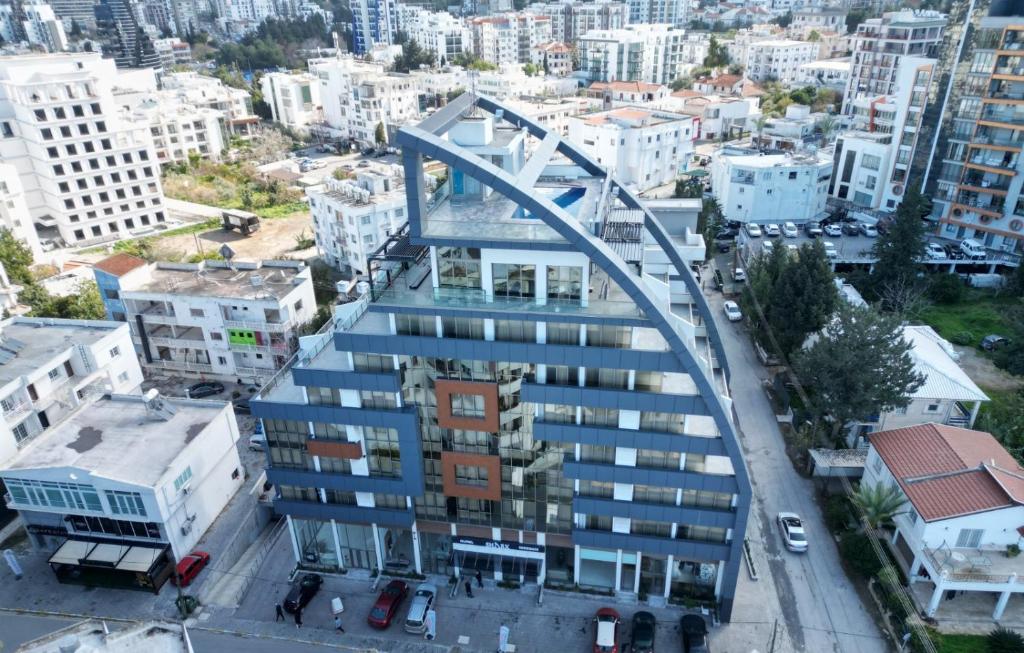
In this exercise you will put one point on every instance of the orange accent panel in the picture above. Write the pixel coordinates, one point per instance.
(492, 492)
(347, 450)
(445, 388)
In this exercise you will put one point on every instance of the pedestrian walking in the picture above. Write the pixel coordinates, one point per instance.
(479, 579)
(280, 613)
(337, 624)
(469, 589)
(298, 618)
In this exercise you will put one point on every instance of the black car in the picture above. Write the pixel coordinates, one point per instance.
(695, 634)
(302, 592)
(994, 342)
(644, 625)
(726, 234)
(242, 407)
(205, 389)
(851, 228)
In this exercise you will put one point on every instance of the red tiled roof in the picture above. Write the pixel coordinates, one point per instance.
(947, 471)
(626, 87)
(119, 264)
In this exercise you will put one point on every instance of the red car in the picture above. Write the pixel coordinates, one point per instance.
(606, 637)
(387, 604)
(189, 567)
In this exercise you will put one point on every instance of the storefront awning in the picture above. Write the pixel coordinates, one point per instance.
(71, 552)
(112, 564)
(139, 559)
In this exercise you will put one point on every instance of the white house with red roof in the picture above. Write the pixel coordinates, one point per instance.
(965, 506)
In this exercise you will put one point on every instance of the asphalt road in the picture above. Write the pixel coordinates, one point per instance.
(821, 609)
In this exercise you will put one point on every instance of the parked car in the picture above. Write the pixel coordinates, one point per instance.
(726, 234)
(813, 230)
(422, 601)
(257, 442)
(387, 604)
(242, 406)
(767, 247)
(732, 311)
(205, 389)
(793, 535)
(953, 252)
(723, 246)
(833, 230)
(972, 249)
(789, 230)
(772, 230)
(935, 251)
(739, 275)
(993, 342)
(868, 230)
(302, 592)
(189, 567)
(851, 228)
(753, 230)
(606, 636)
(830, 249)
(695, 634)
(644, 626)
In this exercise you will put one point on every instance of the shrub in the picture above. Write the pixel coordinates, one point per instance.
(946, 289)
(857, 551)
(963, 338)
(837, 513)
(1004, 640)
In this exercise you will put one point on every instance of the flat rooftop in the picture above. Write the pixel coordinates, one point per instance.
(243, 281)
(119, 437)
(28, 343)
(633, 117)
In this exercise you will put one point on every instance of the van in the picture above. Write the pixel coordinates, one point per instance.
(972, 249)
(422, 602)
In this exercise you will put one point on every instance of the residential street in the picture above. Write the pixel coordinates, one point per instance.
(821, 610)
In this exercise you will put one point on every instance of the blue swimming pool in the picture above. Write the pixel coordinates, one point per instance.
(566, 197)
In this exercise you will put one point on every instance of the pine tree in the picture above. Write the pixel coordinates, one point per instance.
(899, 252)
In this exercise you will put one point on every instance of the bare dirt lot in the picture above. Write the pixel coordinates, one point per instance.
(984, 372)
(275, 239)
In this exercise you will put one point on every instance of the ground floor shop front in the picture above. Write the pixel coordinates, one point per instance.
(499, 554)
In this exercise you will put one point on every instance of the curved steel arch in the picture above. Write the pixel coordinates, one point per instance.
(424, 142)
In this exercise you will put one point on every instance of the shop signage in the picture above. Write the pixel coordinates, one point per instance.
(498, 545)
(47, 530)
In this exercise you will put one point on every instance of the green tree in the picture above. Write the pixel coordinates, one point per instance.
(16, 257)
(1005, 421)
(379, 136)
(1016, 285)
(688, 187)
(814, 36)
(796, 296)
(879, 503)
(718, 54)
(945, 288)
(855, 18)
(785, 20)
(899, 252)
(827, 126)
(1004, 640)
(679, 83)
(531, 69)
(84, 304)
(860, 365)
(413, 56)
(710, 220)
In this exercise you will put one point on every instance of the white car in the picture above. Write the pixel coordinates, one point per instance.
(739, 275)
(935, 251)
(830, 249)
(772, 230)
(869, 230)
(793, 535)
(732, 311)
(792, 249)
(753, 230)
(833, 230)
(789, 230)
(767, 247)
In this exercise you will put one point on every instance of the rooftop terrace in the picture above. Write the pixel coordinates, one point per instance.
(28, 343)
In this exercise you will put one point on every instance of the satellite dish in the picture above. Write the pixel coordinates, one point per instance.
(226, 252)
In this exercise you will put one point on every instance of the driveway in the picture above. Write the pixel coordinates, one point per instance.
(820, 609)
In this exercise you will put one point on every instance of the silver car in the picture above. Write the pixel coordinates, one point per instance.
(422, 602)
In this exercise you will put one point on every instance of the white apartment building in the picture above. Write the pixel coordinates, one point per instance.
(9, 294)
(873, 158)
(14, 214)
(640, 53)
(40, 27)
(571, 18)
(641, 147)
(353, 217)
(964, 498)
(211, 93)
(671, 12)
(828, 73)
(793, 131)
(237, 18)
(232, 321)
(50, 366)
(551, 113)
(173, 52)
(88, 171)
(509, 81)
(509, 38)
(761, 188)
(716, 116)
(880, 44)
(438, 31)
(179, 129)
(126, 485)
(820, 19)
(779, 60)
(554, 58)
(357, 96)
(294, 99)
(620, 93)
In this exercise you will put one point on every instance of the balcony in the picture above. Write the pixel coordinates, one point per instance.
(1002, 114)
(183, 366)
(17, 412)
(259, 326)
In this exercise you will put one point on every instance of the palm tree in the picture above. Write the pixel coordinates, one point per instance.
(759, 124)
(879, 503)
(827, 126)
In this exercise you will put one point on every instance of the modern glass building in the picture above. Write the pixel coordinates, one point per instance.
(532, 385)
